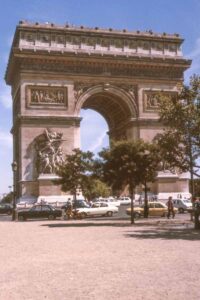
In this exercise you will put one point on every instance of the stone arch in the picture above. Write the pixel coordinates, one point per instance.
(117, 105)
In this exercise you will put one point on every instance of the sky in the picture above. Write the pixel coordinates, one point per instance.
(171, 16)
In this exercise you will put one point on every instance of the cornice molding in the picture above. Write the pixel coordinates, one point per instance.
(45, 120)
(99, 66)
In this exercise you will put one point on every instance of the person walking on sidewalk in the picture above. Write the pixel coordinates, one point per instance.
(170, 207)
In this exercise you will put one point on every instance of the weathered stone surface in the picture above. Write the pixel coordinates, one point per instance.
(55, 71)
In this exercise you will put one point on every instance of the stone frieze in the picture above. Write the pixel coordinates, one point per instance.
(48, 96)
(101, 70)
(151, 99)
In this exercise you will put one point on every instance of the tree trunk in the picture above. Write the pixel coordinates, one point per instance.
(75, 204)
(196, 219)
(146, 208)
(132, 206)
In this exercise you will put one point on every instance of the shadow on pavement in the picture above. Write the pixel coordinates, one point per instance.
(88, 224)
(189, 234)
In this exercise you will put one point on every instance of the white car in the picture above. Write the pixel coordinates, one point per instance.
(111, 201)
(98, 209)
(125, 200)
(182, 204)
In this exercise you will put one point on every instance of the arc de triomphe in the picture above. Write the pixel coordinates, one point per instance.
(55, 71)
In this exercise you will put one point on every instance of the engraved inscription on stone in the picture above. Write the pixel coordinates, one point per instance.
(40, 95)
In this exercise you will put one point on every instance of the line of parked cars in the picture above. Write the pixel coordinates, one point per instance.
(80, 209)
(99, 207)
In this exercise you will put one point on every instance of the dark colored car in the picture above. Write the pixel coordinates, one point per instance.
(5, 209)
(39, 212)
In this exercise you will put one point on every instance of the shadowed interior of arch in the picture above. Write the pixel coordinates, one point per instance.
(115, 111)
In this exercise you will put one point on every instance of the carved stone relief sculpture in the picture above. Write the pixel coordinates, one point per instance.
(81, 87)
(151, 99)
(40, 95)
(49, 153)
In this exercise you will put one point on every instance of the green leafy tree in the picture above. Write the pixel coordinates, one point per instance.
(96, 189)
(76, 172)
(180, 141)
(129, 163)
(8, 198)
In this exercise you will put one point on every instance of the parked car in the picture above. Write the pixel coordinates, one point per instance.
(6, 208)
(110, 201)
(39, 212)
(97, 209)
(156, 209)
(182, 204)
(125, 200)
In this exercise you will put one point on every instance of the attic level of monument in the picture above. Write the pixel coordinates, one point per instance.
(95, 51)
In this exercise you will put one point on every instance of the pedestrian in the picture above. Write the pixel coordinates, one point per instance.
(68, 210)
(170, 207)
(194, 199)
(140, 200)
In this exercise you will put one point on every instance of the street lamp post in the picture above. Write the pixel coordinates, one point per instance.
(14, 169)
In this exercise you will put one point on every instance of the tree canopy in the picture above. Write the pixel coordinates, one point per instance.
(76, 171)
(130, 163)
(96, 189)
(180, 141)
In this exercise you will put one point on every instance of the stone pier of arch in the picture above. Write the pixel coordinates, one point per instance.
(55, 71)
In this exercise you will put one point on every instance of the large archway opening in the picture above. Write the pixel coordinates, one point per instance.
(94, 131)
(107, 114)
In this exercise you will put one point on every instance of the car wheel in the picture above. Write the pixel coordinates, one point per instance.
(21, 218)
(164, 215)
(109, 214)
(83, 215)
(9, 212)
(51, 217)
(181, 210)
(136, 215)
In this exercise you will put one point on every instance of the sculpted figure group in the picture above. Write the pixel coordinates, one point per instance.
(47, 96)
(49, 152)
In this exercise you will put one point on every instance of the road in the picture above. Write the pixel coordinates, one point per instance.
(121, 215)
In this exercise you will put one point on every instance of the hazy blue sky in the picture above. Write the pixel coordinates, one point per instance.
(171, 16)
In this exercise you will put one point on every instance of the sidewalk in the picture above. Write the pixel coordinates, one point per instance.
(99, 259)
